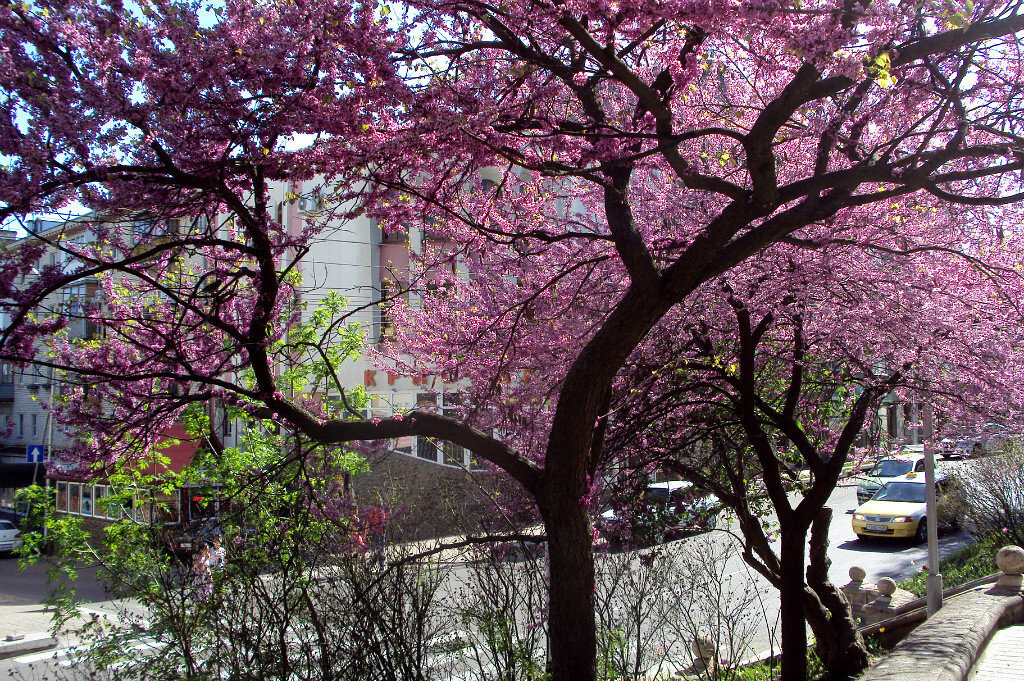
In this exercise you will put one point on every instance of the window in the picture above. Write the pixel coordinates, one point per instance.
(74, 497)
(99, 500)
(454, 455)
(74, 298)
(111, 505)
(87, 507)
(390, 291)
(21, 425)
(426, 449)
(62, 496)
(166, 507)
(441, 451)
(201, 504)
(143, 508)
(33, 425)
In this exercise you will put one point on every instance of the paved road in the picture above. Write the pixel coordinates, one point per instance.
(898, 559)
(30, 585)
(879, 558)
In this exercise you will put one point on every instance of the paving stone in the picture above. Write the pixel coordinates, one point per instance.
(1003, 659)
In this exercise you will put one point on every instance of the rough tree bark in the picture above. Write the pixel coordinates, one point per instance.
(839, 645)
(571, 628)
(791, 587)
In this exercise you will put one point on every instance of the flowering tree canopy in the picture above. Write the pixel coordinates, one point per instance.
(636, 153)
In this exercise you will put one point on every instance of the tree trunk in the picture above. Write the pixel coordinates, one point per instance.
(572, 632)
(839, 645)
(791, 587)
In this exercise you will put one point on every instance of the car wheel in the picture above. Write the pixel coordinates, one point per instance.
(922, 530)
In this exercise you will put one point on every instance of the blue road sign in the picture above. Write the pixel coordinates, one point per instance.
(35, 453)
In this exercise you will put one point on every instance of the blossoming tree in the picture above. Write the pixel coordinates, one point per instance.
(760, 387)
(638, 152)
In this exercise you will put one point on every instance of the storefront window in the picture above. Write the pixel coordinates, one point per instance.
(86, 500)
(166, 508)
(74, 497)
(99, 499)
(143, 508)
(62, 496)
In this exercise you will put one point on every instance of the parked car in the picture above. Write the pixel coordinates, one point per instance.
(993, 493)
(187, 539)
(10, 537)
(991, 438)
(898, 508)
(909, 460)
(665, 511)
(946, 447)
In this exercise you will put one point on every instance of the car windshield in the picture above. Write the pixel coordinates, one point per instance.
(658, 495)
(891, 468)
(4, 525)
(900, 491)
(655, 494)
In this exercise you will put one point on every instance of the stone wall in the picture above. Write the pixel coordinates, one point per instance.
(947, 645)
(433, 500)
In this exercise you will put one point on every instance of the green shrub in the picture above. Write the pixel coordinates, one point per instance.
(969, 563)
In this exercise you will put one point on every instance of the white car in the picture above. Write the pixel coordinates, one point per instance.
(666, 510)
(10, 537)
(908, 460)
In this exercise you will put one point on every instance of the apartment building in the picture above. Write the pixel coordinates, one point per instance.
(30, 443)
(368, 268)
(352, 258)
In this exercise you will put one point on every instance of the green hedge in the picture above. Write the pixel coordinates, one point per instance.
(969, 563)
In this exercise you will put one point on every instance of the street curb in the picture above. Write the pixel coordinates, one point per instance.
(947, 645)
(32, 643)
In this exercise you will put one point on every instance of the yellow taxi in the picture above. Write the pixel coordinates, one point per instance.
(898, 508)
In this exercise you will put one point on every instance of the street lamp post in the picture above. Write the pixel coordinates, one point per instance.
(933, 581)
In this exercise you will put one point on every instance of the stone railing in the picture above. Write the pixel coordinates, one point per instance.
(946, 646)
(873, 603)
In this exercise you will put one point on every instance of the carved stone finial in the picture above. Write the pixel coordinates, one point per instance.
(886, 586)
(857, 573)
(703, 649)
(1010, 560)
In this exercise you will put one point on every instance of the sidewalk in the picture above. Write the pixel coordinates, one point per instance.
(33, 618)
(1003, 657)
(27, 628)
